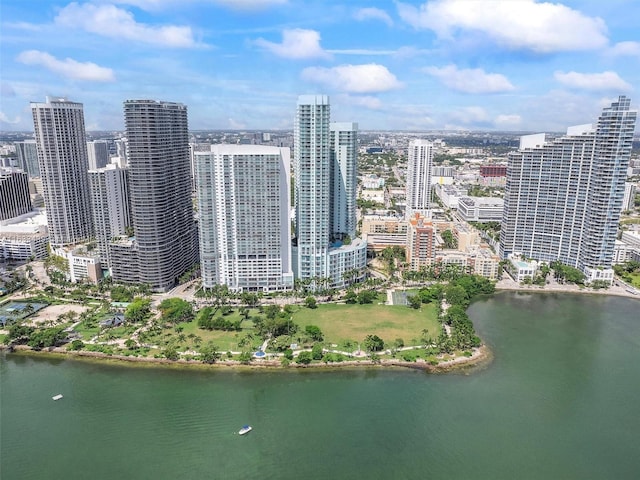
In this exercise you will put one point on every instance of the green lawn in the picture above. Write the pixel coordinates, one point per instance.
(340, 322)
(223, 340)
(635, 279)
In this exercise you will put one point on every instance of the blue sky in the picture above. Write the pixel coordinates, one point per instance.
(386, 64)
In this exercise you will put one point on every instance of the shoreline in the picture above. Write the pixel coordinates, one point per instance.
(512, 286)
(480, 356)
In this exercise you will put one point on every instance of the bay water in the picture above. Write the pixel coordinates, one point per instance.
(559, 400)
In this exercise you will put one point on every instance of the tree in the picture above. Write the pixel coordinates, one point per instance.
(305, 357)
(245, 357)
(171, 352)
(137, 310)
(76, 345)
(351, 297)
(176, 310)
(288, 354)
(456, 295)
(316, 351)
(209, 353)
(366, 296)
(449, 240)
(414, 301)
(310, 302)
(271, 311)
(250, 299)
(49, 337)
(314, 332)
(373, 343)
(131, 344)
(120, 293)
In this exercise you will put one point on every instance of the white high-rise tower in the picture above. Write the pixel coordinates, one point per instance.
(419, 177)
(312, 173)
(563, 198)
(62, 156)
(325, 251)
(344, 181)
(244, 217)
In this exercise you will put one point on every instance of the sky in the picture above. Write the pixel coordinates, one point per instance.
(505, 65)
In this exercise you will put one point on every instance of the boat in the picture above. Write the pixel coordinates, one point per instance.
(245, 429)
(57, 397)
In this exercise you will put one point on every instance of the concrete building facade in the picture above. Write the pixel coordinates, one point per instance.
(244, 217)
(420, 159)
(563, 198)
(324, 166)
(344, 158)
(110, 206)
(97, 154)
(62, 156)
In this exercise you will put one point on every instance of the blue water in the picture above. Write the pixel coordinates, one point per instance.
(560, 400)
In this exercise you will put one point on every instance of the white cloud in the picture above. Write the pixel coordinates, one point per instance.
(471, 80)
(508, 120)
(5, 119)
(367, 78)
(111, 21)
(593, 81)
(236, 125)
(523, 24)
(234, 4)
(68, 67)
(363, 51)
(366, 101)
(631, 49)
(469, 115)
(296, 43)
(373, 13)
(249, 4)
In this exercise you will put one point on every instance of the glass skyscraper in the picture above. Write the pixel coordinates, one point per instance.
(164, 245)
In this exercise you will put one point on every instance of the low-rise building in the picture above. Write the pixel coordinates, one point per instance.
(480, 209)
(521, 269)
(382, 231)
(25, 237)
(83, 265)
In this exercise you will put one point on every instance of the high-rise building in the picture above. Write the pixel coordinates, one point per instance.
(419, 178)
(62, 156)
(244, 217)
(27, 153)
(563, 198)
(165, 242)
(98, 154)
(312, 173)
(325, 181)
(344, 157)
(14, 193)
(110, 206)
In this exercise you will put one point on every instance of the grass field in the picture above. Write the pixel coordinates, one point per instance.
(635, 279)
(354, 322)
(225, 341)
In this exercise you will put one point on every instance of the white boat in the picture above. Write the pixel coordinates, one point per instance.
(57, 397)
(245, 429)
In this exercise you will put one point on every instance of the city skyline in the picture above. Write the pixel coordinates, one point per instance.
(389, 65)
